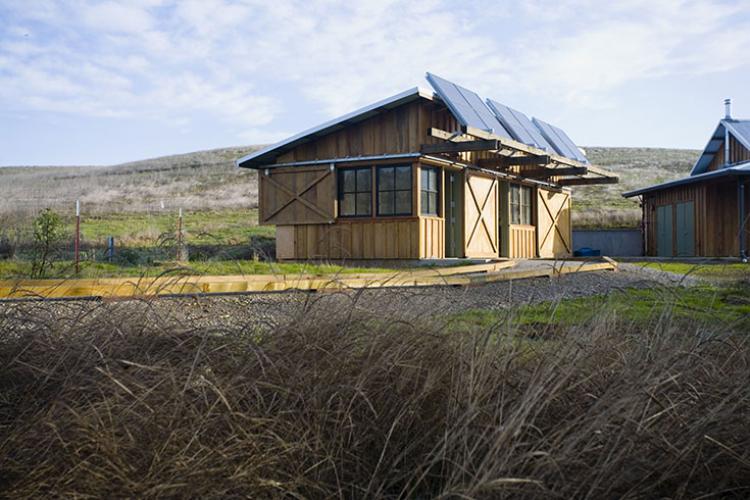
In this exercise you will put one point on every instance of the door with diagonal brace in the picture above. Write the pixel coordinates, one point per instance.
(480, 216)
(297, 196)
(554, 231)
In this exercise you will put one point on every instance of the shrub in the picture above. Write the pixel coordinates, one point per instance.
(48, 233)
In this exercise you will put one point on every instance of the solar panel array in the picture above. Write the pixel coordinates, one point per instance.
(560, 140)
(503, 121)
(519, 125)
(467, 106)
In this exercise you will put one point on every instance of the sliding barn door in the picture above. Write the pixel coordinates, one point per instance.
(554, 232)
(297, 196)
(480, 216)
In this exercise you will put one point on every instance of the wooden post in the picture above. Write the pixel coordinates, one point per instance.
(179, 235)
(77, 245)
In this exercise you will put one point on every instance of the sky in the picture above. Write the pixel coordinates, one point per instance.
(103, 82)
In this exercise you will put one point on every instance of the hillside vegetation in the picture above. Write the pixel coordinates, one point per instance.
(203, 180)
(209, 180)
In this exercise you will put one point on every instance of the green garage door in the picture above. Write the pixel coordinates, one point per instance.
(664, 231)
(685, 229)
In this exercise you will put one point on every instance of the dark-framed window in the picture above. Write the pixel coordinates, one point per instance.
(429, 191)
(355, 192)
(394, 190)
(520, 204)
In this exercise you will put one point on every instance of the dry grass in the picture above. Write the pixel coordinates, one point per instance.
(200, 180)
(127, 400)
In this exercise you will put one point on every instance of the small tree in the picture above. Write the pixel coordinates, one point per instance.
(48, 232)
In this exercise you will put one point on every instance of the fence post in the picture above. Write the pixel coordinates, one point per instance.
(77, 246)
(179, 236)
(110, 248)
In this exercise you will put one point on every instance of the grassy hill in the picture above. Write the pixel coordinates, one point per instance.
(603, 205)
(196, 181)
(208, 180)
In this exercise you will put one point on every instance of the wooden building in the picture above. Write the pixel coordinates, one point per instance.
(423, 175)
(705, 214)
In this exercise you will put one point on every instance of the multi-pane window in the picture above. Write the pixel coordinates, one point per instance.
(428, 191)
(394, 190)
(355, 192)
(520, 204)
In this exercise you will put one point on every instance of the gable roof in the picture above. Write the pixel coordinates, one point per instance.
(739, 129)
(268, 154)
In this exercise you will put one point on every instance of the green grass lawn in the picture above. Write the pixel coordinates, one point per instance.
(733, 271)
(728, 306)
(226, 227)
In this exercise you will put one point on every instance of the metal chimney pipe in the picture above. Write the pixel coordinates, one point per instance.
(728, 109)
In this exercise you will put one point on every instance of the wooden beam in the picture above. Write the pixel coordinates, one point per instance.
(447, 136)
(459, 147)
(587, 181)
(512, 161)
(554, 172)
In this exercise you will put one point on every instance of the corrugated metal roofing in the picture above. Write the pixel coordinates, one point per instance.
(519, 125)
(268, 154)
(742, 169)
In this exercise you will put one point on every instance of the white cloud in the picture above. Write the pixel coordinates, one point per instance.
(238, 60)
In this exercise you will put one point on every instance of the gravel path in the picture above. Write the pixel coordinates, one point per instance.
(269, 309)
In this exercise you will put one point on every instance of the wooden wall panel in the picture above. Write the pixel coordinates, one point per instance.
(554, 230)
(716, 216)
(522, 241)
(351, 239)
(399, 130)
(432, 236)
(297, 196)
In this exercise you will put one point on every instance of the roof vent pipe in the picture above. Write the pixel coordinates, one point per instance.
(728, 109)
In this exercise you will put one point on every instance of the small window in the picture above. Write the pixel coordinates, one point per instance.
(394, 190)
(355, 192)
(520, 204)
(428, 191)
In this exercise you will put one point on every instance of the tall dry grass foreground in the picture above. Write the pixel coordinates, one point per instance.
(118, 402)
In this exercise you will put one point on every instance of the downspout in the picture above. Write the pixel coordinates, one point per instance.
(742, 217)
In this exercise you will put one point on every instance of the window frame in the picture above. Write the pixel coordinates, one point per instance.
(523, 208)
(378, 174)
(340, 192)
(436, 191)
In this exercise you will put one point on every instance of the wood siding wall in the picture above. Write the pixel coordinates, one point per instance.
(716, 217)
(522, 241)
(370, 239)
(432, 238)
(737, 153)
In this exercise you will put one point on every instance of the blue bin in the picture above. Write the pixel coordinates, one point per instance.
(587, 252)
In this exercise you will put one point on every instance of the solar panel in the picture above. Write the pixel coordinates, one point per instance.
(560, 141)
(467, 106)
(519, 125)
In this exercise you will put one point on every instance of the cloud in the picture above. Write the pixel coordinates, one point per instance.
(245, 62)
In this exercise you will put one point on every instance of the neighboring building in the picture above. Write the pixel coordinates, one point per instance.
(423, 175)
(705, 214)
